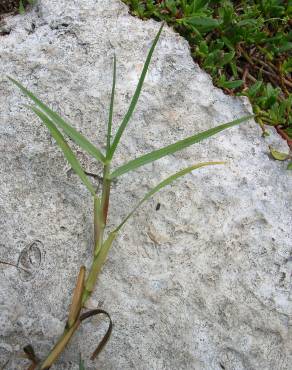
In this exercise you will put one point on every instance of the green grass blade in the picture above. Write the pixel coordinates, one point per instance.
(69, 155)
(81, 363)
(135, 97)
(21, 9)
(164, 183)
(110, 118)
(170, 149)
(58, 121)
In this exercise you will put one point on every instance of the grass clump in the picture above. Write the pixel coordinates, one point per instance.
(103, 239)
(244, 45)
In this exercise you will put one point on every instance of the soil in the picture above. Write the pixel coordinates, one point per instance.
(10, 6)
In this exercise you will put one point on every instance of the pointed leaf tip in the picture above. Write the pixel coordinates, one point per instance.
(164, 183)
(70, 131)
(172, 148)
(135, 97)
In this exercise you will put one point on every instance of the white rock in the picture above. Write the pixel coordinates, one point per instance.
(203, 283)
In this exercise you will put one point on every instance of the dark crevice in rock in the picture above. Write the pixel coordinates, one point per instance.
(32, 28)
(5, 32)
(59, 26)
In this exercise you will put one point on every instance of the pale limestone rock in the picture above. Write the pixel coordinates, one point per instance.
(203, 283)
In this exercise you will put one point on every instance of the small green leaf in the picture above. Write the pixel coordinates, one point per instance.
(287, 66)
(279, 156)
(199, 5)
(69, 155)
(203, 24)
(289, 167)
(170, 149)
(230, 84)
(227, 43)
(21, 9)
(247, 22)
(227, 58)
(58, 120)
(289, 130)
(254, 89)
(233, 67)
(164, 183)
(287, 46)
(203, 48)
(135, 97)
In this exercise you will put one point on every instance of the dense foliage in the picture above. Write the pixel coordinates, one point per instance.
(244, 45)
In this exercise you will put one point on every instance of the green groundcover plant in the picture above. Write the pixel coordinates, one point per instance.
(245, 46)
(22, 4)
(58, 127)
(13, 6)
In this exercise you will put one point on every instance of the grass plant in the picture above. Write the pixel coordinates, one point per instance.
(59, 129)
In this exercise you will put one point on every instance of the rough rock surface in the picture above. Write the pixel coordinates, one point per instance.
(203, 283)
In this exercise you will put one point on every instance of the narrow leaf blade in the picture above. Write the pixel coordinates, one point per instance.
(170, 149)
(81, 363)
(73, 134)
(110, 118)
(135, 97)
(69, 155)
(164, 183)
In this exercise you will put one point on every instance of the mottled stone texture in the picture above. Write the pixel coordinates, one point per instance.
(203, 283)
